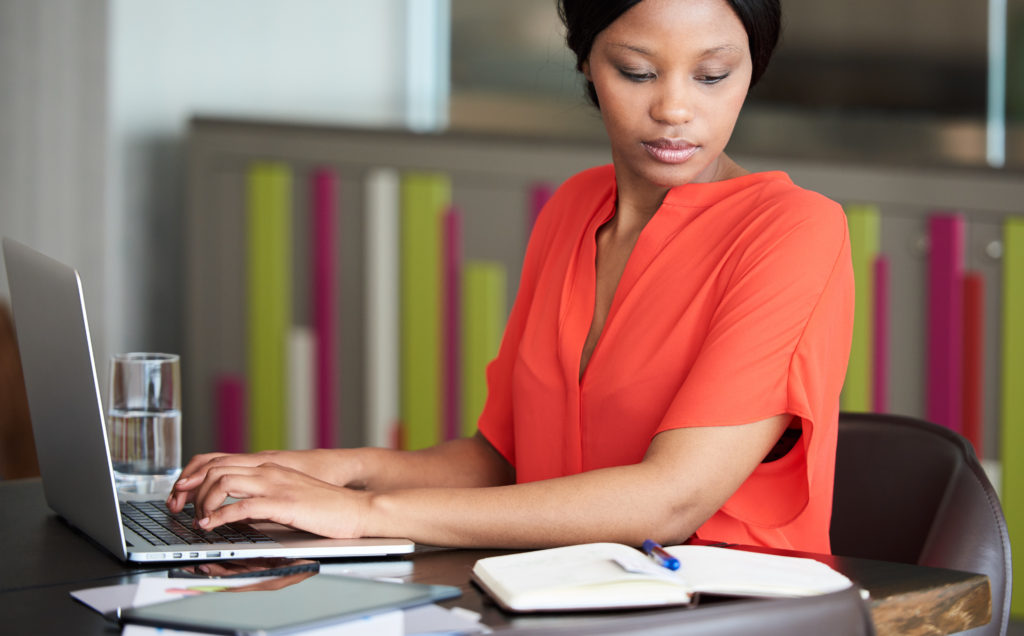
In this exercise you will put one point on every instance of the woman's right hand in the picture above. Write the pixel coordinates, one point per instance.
(331, 465)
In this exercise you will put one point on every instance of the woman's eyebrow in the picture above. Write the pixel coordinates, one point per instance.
(631, 47)
(706, 53)
(715, 50)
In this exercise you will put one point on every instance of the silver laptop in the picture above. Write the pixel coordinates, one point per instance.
(71, 439)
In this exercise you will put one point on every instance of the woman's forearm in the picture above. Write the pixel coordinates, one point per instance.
(685, 477)
(624, 504)
(462, 463)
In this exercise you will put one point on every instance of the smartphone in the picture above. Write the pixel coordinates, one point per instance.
(270, 566)
(317, 601)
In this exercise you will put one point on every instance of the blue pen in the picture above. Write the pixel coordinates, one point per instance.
(660, 555)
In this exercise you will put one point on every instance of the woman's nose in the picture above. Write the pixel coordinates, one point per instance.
(673, 103)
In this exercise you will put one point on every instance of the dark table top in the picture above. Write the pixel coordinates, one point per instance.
(46, 559)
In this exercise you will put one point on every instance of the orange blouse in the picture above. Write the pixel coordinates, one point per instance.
(736, 305)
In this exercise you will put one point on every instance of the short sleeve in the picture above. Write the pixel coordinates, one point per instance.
(742, 372)
(778, 343)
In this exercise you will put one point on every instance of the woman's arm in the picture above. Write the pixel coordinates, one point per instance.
(685, 477)
(469, 463)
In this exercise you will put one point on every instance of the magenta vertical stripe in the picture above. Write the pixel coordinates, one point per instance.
(880, 374)
(325, 290)
(945, 319)
(229, 397)
(452, 324)
(539, 195)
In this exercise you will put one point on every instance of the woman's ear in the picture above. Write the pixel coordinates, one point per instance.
(585, 68)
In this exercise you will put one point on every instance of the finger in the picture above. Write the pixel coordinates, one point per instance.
(239, 482)
(212, 491)
(196, 464)
(195, 474)
(188, 479)
(247, 509)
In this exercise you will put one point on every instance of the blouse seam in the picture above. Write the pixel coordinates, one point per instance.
(807, 321)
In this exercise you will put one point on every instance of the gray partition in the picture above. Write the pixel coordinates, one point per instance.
(491, 175)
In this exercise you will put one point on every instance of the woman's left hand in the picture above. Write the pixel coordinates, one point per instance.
(277, 493)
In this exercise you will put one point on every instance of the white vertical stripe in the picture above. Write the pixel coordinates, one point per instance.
(382, 306)
(301, 388)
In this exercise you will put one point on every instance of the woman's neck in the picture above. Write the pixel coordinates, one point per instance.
(636, 203)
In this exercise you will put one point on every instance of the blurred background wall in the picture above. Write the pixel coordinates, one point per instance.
(95, 96)
(903, 81)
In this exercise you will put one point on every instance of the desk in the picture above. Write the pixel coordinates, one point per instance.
(45, 559)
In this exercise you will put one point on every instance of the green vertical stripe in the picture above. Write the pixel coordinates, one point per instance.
(483, 321)
(864, 246)
(1012, 390)
(269, 301)
(425, 198)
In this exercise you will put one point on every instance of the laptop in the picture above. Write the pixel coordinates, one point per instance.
(71, 439)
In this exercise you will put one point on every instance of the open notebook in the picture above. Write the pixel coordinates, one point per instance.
(612, 575)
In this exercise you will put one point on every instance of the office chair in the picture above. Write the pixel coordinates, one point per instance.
(911, 491)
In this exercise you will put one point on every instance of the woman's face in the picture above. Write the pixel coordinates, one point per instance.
(671, 77)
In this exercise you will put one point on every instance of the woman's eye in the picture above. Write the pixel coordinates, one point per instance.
(711, 79)
(636, 76)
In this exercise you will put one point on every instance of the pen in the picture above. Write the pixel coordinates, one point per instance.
(660, 555)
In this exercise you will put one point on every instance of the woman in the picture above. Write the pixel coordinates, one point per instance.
(672, 365)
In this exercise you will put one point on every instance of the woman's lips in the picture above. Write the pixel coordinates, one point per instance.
(669, 150)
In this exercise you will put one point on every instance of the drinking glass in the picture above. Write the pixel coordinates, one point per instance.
(144, 424)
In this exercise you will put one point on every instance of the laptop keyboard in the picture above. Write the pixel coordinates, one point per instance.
(152, 520)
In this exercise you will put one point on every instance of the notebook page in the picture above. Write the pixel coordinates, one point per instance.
(588, 575)
(725, 571)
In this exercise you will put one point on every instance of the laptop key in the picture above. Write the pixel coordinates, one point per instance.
(158, 522)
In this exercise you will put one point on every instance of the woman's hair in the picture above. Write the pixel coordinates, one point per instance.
(584, 19)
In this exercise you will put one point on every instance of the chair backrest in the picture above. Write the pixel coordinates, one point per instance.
(911, 491)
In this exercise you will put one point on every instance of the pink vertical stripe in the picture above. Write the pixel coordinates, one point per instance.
(880, 374)
(945, 320)
(452, 308)
(229, 397)
(974, 360)
(539, 195)
(325, 297)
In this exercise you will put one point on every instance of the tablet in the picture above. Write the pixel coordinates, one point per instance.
(316, 601)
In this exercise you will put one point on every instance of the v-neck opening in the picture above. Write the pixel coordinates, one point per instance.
(649, 243)
(680, 205)
(590, 286)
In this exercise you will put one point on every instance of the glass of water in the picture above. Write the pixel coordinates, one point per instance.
(144, 423)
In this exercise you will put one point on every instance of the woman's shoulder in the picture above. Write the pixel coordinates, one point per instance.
(779, 188)
(578, 197)
(787, 206)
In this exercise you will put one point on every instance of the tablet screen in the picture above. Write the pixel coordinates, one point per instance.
(315, 601)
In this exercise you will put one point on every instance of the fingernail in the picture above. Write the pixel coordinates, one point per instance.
(205, 521)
